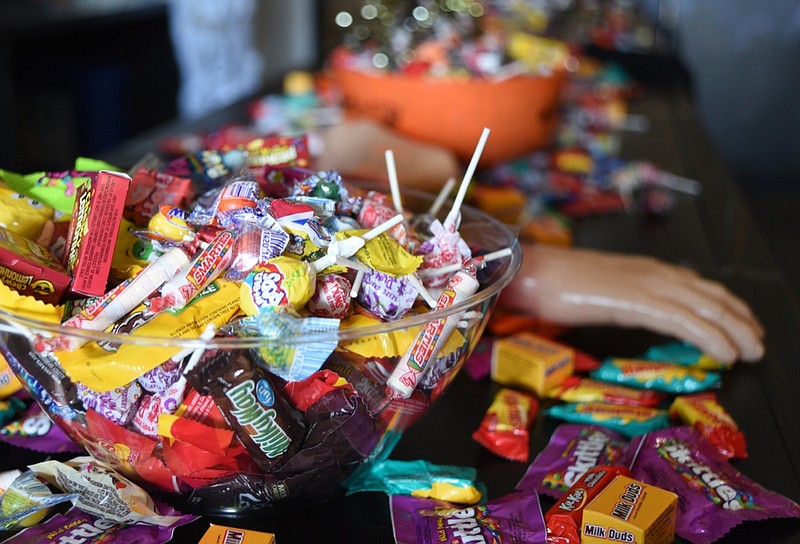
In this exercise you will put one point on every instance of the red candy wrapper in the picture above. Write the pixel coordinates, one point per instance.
(30, 269)
(564, 518)
(151, 189)
(93, 230)
(504, 429)
(704, 413)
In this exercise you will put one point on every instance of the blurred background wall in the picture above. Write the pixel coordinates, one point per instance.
(80, 76)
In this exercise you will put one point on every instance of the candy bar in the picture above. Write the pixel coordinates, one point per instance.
(531, 362)
(565, 517)
(270, 429)
(99, 203)
(30, 269)
(628, 510)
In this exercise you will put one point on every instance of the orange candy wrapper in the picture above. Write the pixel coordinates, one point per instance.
(505, 428)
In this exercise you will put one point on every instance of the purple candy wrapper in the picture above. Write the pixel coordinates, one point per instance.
(158, 379)
(573, 449)
(117, 405)
(713, 497)
(513, 519)
(34, 430)
(386, 296)
(77, 526)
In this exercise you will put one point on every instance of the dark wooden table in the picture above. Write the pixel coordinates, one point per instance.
(712, 233)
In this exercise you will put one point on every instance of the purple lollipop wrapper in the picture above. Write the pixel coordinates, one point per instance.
(117, 405)
(77, 526)
(713, 497)
(573, 449)
(515, 518)
(158, 379)
(386, 296)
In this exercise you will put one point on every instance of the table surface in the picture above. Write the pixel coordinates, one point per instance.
(713, 234)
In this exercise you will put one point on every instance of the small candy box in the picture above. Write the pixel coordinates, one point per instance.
(628, 510)
(526, 360)
(30, 269)
(93, 229)
(221, 534)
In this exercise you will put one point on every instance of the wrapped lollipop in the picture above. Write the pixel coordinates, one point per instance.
(446, 247)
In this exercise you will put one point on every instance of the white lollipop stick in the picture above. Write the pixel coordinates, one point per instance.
(415, 281)
(357, 284)
(393, 183)
(383, 227)
(442, 196)
(462, 190)
(207, 334)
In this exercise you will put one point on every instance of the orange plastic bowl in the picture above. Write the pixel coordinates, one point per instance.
(522, 112)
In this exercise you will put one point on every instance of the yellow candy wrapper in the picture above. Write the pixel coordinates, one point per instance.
(103, 370)
(384, 254)
(29, 307)
(390, 344)
(280, 282)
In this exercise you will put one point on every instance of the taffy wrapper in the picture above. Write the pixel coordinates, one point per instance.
(658, 376)
(504, 429)
(101, 370)
(102, 492)
(384, 254)
(390, 344)
(304, 393)
(580, 389)
(685, 354)
(628, 420)
(704, 412)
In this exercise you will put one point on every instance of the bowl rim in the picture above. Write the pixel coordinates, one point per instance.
(30, 327)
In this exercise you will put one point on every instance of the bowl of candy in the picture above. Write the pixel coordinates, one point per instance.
(439, 71)
(268, 345)
(522, 110)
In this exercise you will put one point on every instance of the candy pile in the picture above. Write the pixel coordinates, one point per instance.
(266, 326)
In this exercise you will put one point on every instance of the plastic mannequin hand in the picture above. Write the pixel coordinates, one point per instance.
(570, 286)
(357, 150)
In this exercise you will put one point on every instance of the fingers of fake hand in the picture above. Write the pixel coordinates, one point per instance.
(574, 287)
(694, 296)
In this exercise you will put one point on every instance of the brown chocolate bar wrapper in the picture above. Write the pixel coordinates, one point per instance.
(250, 399)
